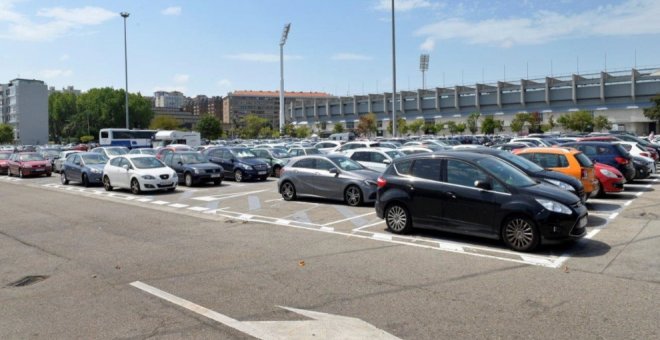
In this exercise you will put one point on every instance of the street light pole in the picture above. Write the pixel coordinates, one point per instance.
(285, 34)
(393, 76)
(125, 15)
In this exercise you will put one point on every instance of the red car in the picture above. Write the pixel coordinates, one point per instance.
(609, 179)
(4, 162)
(29, 163)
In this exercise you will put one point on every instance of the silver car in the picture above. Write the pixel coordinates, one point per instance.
(334, 177)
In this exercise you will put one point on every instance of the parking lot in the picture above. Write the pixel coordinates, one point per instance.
(259, 202)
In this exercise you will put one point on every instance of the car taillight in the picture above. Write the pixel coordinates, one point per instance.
(621, 160)
(585, 174)
(644, 154)
(381, 182)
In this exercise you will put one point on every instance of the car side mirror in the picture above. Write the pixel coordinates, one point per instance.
(180, 163)
(125, 166)
(387, 161)
(334, 171)
(484, 185)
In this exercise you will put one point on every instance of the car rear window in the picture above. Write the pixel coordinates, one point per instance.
(622, 148)
(403, 167)
(583, 160)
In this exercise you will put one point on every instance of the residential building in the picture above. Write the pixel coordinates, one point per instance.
(200, 105)
(174, 99)
(68, 89)
(266, 104)
(24, 106)
(187, 119)
(215, 107)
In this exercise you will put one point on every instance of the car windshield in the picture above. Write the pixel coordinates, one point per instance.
(31, 157)
(193, 158)
(394, 154)
(4, 155)
(147, 163)
(116, 151)
(95, 158)
(279, 153)
(506, 172)
(347, 164)
(520, 162)
(243, 153)
(312, 151)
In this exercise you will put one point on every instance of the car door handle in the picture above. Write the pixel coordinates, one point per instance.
(450, 194)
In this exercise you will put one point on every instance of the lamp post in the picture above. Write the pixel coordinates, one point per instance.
(125, 15)
(393, 76)
(285, 34)
(424, 66)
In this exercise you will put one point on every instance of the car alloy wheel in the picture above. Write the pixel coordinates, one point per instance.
(135, 187)
(353, 196)
(520, 234)
(238, 176)
(288, 191)
(189, 180)
(106, 184)
(63, 179)
(397, 219)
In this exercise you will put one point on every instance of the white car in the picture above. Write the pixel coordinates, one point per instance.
(539, 142)
(374, 158)
(411, 150)
(138, 173)
(57, 163)
(637, 150)
(111, 151)
(327, 146)
(355, 145)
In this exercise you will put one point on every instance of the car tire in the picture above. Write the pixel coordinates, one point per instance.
(106, 183)
(217, 182)
(135, 187)
(48, 174)
(85, 180)
(276, 171)
(520, 234)
(353, 196)
(188, 180)
(20, 173)
(238, 175)
(397, 219)
(288, 191)
(263, 178)
(171, 189)
(600, 192)
(63, 179)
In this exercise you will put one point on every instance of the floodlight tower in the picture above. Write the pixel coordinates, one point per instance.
(285, 34)
(424, 66)
(125, 15)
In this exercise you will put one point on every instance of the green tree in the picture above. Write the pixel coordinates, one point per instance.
(338, 128)
(252, 125)
(653, 112)
(6, 133)
(289, 130)
(451, 126)
(209, 127)
(164, 123)
(460, 127)
(577, 121)
(430, 129)
(367, 125)
(86, 139)
(266, 132)
(601, 123)
(472, 122)
(519, 121)
(535, 120)
(415, 126)
(303, 131)
(401, 126)
(488, 125)
(61, 108)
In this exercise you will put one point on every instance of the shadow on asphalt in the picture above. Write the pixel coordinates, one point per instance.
(596, 221)
(329, 201)
(637, 189)
(602, 206)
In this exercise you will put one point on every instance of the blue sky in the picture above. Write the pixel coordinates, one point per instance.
(337, 46)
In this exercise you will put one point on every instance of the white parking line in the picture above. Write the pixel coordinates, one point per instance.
(369, 225)
(613, 216)
(144, 200)
(178, 205)
(160, 202)
(639, 193)
(627, 203)
(198, 208)
(225, 196)
(274, 200)
(350, 218)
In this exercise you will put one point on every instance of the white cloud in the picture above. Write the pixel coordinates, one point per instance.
(173, 10)
(405, 5)
(64, 57)
(261, 57)
(181, 78)
(428, 45)
(60, 22)
(54, 73)
(631, 17)
(351, 56)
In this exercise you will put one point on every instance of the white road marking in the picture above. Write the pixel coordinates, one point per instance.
(639, 193)
(381, 236)
(350, 218)
(613, 216)
(328, 229)
(283, 222)
(627, 203)
(648, 186)
(144, 200)
(245, 217)
(274, 200)
(178, 205)
(160, 202)
(369, 225)
(198, 208)
(225, 196)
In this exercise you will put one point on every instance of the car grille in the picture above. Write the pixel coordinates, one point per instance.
(164, 176)
(261, 167)
(165, 185)
(212, 171)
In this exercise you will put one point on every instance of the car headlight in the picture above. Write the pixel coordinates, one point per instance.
(554, 206)
(561, 184)
(196, 171)
(148, 177)
(608, 173)
(174, 175)
(245, 166)
(96, 171)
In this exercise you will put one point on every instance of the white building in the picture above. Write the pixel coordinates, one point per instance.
(174, 99)
(24, 106)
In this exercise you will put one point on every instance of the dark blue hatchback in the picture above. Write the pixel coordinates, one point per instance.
(607, 153)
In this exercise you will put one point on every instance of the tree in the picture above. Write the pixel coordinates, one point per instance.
(430, 129)
(266, 132)
(86, 139)
(61, 108)
(289, 130)
(518, 122)
(534, 119)
(460, 127)
(164, 123)
(415, 125)
(577, 121)
(653, 112)
(601, 123)
(499, 125)
(338, 128)
(6, 133)
(302, 131)
(209, 127)
(253, 124)
(472, 121)
(401, 126)
(367, 124)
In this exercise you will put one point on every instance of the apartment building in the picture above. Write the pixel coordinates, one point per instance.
(24, 106)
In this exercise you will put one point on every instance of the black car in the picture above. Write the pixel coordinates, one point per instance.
(192, 167)
(238, 163)
(476, 194)
(534, 171)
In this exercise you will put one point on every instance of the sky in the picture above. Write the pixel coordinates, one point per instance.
(342, 47)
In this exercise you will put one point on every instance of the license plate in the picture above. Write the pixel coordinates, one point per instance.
(583, 222)
(261, 172)
(215, 175)
(166, 183)
(37, 169)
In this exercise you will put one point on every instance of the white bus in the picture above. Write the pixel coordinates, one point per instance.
(167, 137)
(131, 139)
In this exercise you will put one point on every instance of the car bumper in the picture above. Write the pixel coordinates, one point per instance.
(613, 185)
(4, 170)
(35, 171)
(369, 193)
(158, 184)
(207, 177)
(96, 178)
(252, 174)
(556, 226)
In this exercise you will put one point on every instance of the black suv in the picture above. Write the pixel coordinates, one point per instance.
(238, 163)
(192, 167)
(479, 195)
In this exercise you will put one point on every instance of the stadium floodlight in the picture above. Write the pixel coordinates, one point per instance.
(125, 15)
(285, 35)
(424, 66)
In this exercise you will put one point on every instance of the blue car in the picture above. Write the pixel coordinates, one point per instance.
(607, 153)
(83, 167)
